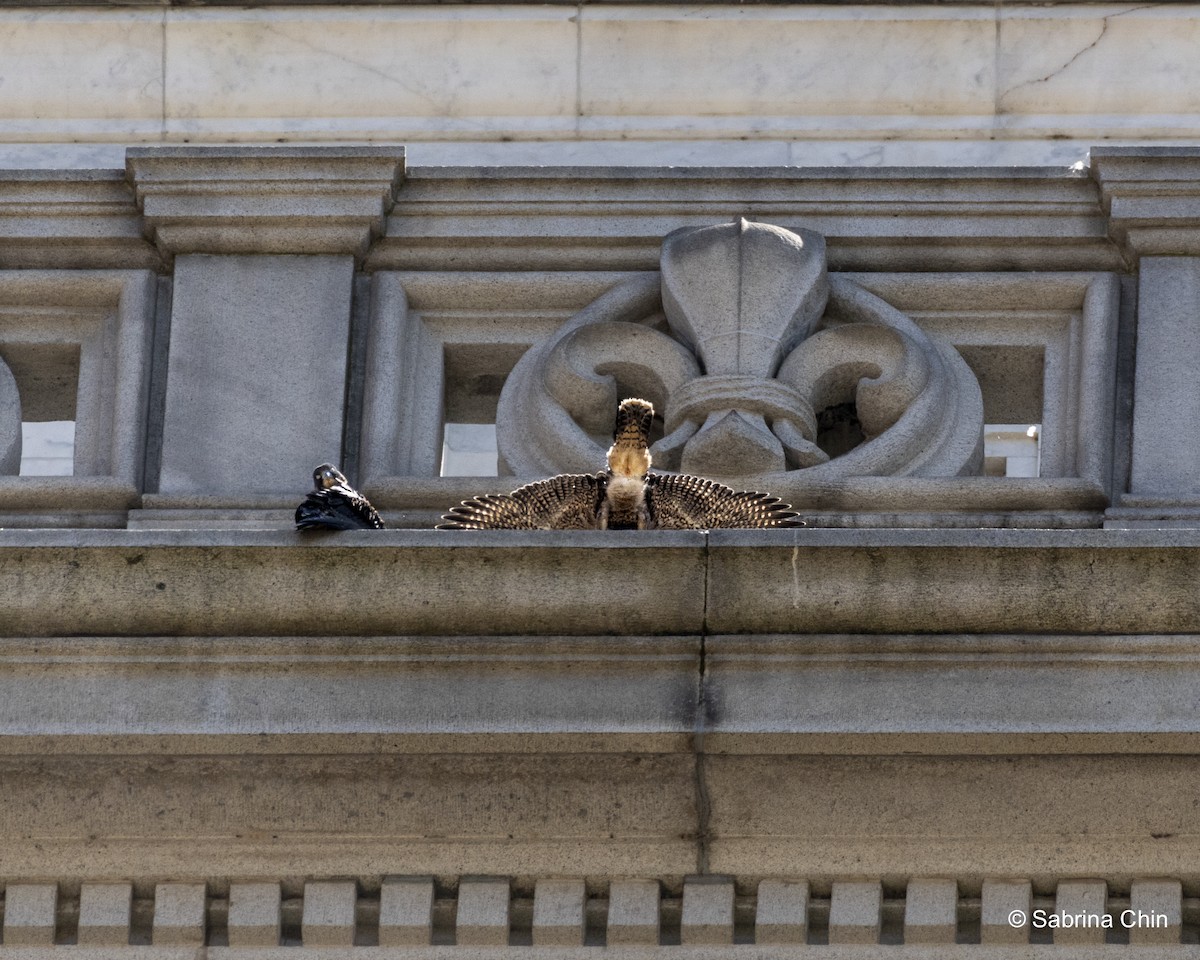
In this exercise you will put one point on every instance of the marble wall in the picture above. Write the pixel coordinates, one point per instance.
(605, 83)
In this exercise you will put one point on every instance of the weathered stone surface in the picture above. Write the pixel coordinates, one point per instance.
(919, 219)
(707, 911)
(777, 695)
(1157, 915)
(782, 912)
(896, 74)
(329, 914)
(77, 219)
(1080, 906)
(179, 914)
(1166, 405)
(483, 913)
(786, 693)
(254, 914)
(982, 581)
(405, 911)
(263, 200)
(10, 423)
(492, 66)
(1150, 193)
(743, 294)
(847, 951)
(1003, 902)
(260, 333)
(440, 814)
(558, 913)
(30, 911)
(104, 914)
(107, 71)
(930, 911)
(634, 915)
(517, 583)
(854, 912)
(604, 693)
(965, 817)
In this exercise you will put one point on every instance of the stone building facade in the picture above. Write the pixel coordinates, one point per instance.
(961, 700)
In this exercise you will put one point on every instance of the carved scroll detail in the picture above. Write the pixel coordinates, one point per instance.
(760, 347)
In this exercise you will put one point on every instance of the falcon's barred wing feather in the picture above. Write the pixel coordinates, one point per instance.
(569, 501)
(683, 502)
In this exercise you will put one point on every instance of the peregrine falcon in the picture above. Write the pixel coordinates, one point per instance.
(626, 496)
(335, 505)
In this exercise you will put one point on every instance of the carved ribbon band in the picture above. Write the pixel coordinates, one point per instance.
(773, 399)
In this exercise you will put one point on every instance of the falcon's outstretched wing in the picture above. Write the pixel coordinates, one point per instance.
(569, 501)
(683, 502)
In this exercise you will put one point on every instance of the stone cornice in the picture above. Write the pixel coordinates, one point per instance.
(912, 218)
(781, 694)
(340, 199)
(1152, 198)
(264, 199)
(73, 219)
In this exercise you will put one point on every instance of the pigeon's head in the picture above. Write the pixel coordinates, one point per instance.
(327, 476)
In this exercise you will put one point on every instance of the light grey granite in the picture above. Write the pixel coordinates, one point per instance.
(1166, 407)
(256, 372)
(241, 199)
(10, 423)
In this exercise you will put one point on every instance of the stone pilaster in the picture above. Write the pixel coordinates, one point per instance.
(264, 242)
(1152, 198)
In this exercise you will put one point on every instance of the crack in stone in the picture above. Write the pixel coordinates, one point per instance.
(445, 108)
(1091, 46)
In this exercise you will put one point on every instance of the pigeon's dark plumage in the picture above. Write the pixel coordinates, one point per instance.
(626, 496)
(335, 505)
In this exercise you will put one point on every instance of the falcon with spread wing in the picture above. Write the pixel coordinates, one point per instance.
(626, 496)
(335, 505)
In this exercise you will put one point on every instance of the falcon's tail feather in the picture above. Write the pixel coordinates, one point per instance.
(634, 417)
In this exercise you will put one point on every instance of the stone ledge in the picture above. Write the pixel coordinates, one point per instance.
(63, 494)
(430, 582)
(367, 583)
